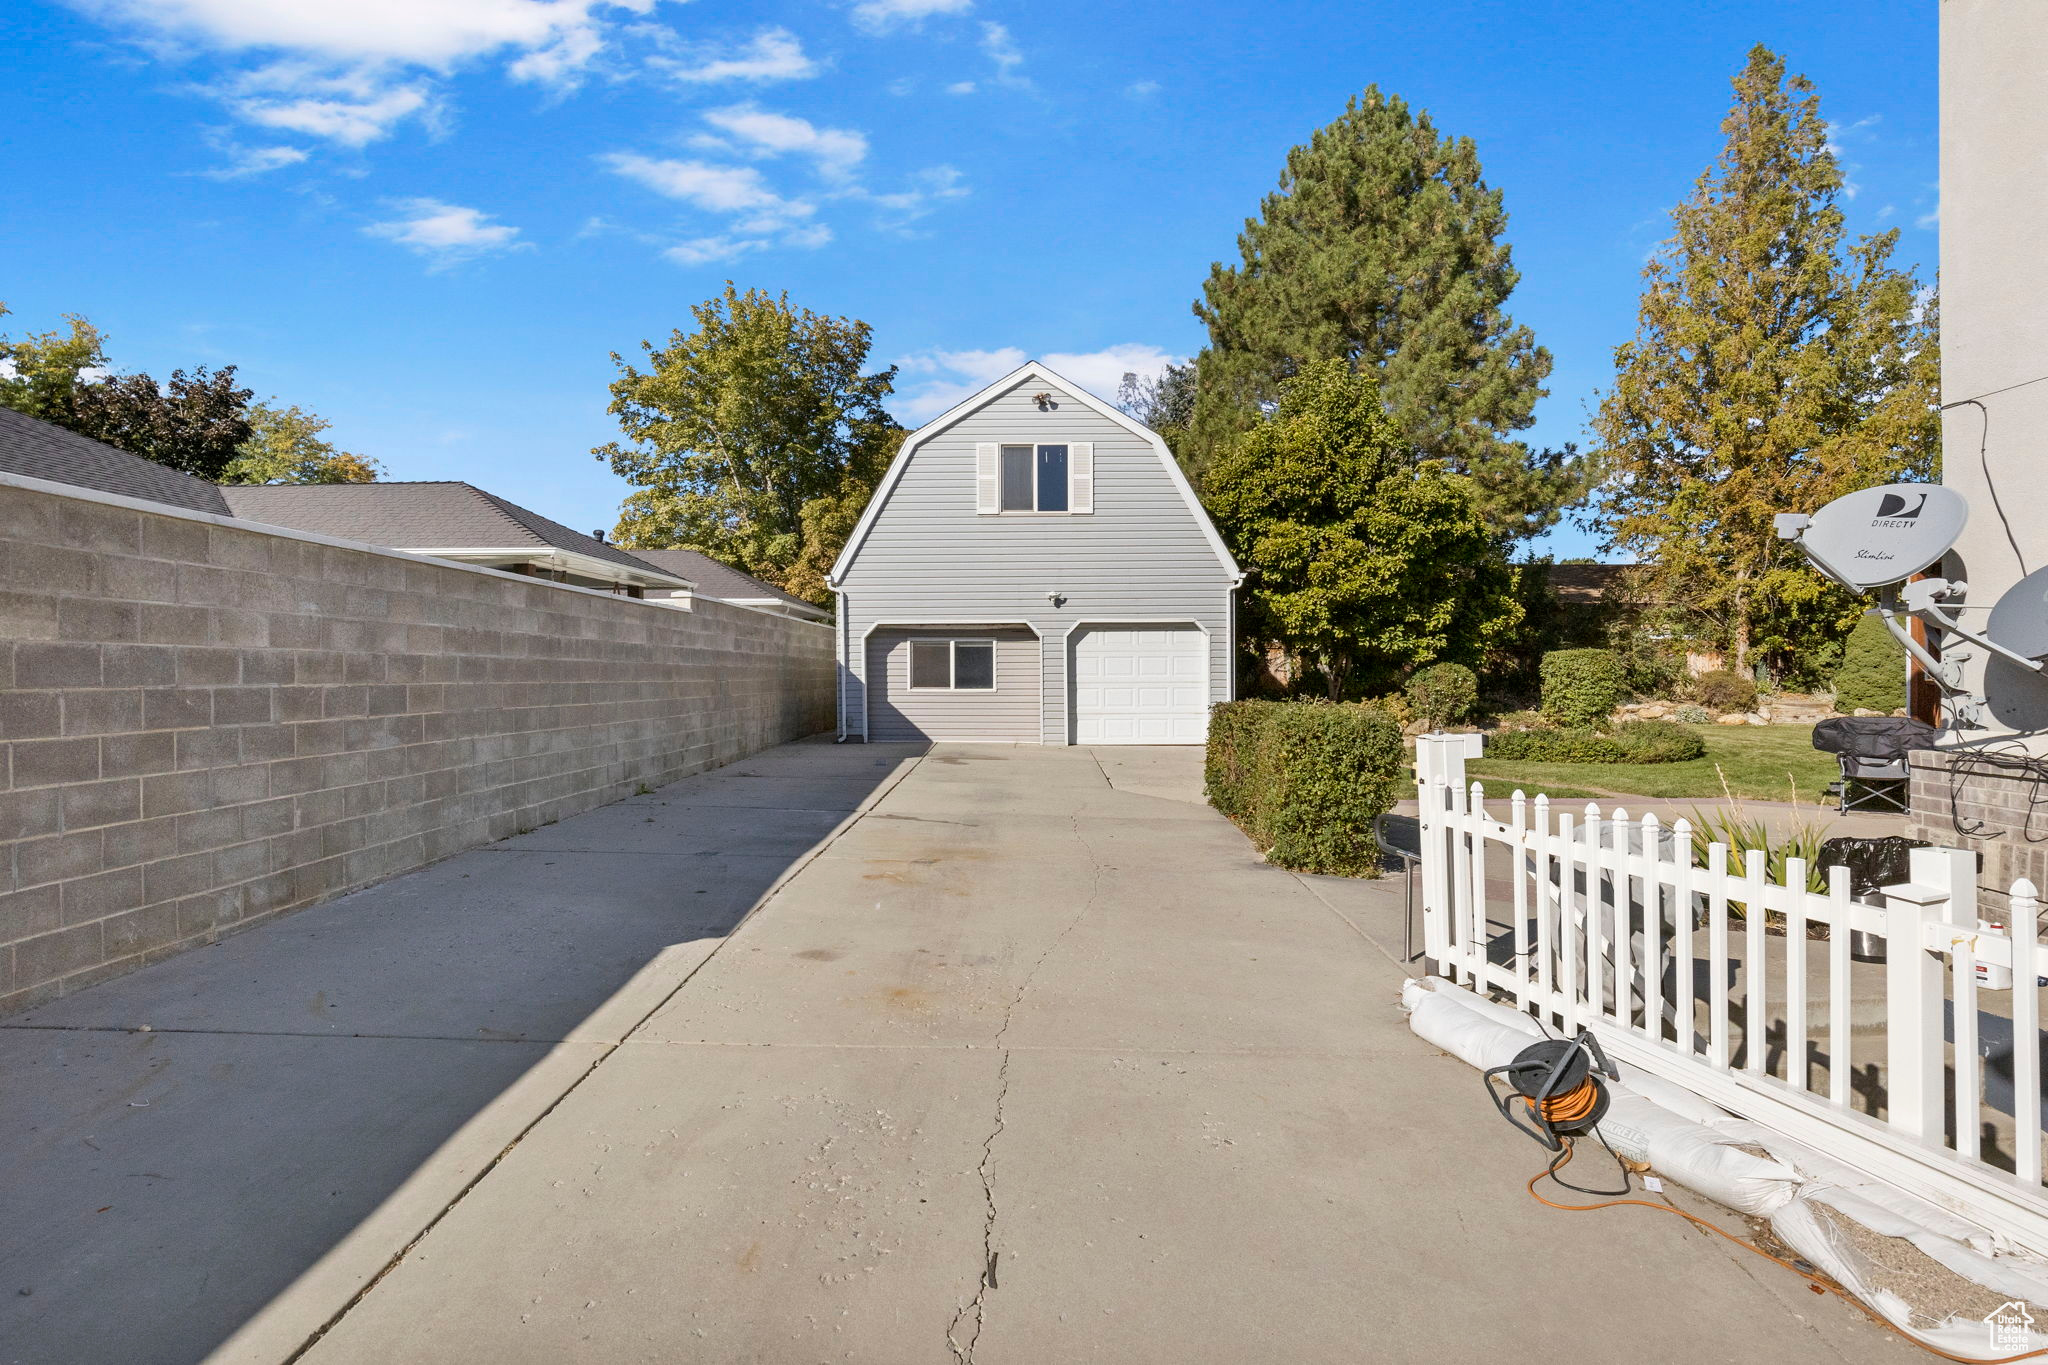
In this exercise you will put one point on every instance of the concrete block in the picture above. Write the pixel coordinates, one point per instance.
(40, 663)
(133, 665)
(103, 711)
(46, 762)
(38, 910)
(47, 957)
(103, 894)
(30, 715)
(111, 802)
(174, 708)
(137, 755)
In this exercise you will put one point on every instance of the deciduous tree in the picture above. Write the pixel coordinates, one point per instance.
(285, 445)
(40, 371)
(733, 428)
(1775, 366)
(196, 423)
(1359, 556)
(1384, 246)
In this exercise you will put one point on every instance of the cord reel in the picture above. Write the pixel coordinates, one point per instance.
(1553, 1091)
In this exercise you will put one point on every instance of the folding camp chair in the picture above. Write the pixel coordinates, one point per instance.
(1872, 753)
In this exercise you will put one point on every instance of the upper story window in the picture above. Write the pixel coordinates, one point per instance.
(1034, 478)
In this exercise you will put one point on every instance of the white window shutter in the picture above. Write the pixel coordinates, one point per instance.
(987, 463)
(1081, 477)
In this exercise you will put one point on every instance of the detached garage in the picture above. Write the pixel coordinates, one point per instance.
(1034, 569)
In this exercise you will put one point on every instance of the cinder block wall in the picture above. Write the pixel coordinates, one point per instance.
(2000, 815)
(206, 723)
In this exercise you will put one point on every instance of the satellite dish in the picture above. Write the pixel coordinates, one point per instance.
(1876, 536)
(2019, 621)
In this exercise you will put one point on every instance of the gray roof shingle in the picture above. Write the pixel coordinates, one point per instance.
(417, 516)
(719, 580)
(43, 450)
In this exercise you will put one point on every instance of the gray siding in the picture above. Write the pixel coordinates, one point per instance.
(1010, 712)
(930, 558)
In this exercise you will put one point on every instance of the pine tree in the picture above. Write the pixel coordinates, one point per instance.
(1383, 247)
(1774, 367)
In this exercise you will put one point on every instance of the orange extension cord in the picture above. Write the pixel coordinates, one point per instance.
(1583, 1106)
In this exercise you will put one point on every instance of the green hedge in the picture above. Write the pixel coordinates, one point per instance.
(1873, 672)
(1582, 686)
(1306, 780)
(1635, 741)
(1443, 694)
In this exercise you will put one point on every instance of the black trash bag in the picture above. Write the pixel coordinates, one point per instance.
(1873, 863)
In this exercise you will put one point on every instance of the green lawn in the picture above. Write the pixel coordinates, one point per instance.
(1757, 760)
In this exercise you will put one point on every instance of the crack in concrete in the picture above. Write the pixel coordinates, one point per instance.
(963, 1352)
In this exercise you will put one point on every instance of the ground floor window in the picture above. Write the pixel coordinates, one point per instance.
(953, 665)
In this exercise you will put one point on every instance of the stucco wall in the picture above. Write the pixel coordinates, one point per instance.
(1994, 312)
(205, 722)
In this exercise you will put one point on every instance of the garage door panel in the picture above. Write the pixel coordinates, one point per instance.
(1140, 685)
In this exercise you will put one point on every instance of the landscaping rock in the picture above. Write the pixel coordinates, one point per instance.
(1732, 718)
(1756, 718)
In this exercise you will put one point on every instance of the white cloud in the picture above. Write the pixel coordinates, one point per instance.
(962, 88)
(244, 162)
(1929, 219)
(774, 54)
(446, 233)
(348, 111)
(714, 188)
(1002, 50)
(1142, 90)
(435, 33)
(944, 378)
(705, 250)
(836, 151)
(350, 71)
(879, 16)
(927, 188)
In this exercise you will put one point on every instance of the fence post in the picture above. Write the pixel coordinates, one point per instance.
(1440, 756)
(1914, 1035)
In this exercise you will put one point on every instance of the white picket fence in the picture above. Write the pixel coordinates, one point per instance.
(1614, 924)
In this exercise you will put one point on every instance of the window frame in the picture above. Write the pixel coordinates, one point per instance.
(953, 644)
(1037, 449)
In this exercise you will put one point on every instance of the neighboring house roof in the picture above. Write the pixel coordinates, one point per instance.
(424, 518)
(44, 450)
(723, 582)
(1030, 370)
(1586, 584)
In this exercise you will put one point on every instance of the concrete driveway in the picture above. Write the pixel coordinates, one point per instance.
(1024, 1057)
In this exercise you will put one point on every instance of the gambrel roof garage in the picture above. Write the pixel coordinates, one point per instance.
(1034, 568)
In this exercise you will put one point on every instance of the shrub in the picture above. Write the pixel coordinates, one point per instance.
(1306, 780)
(1571, 745)
(1522, 720)
(1581, 686)
(1725, 691)
(1635, 741)
(1658, 741)
(1443, 694)
(1873, 672)
(1692, 713)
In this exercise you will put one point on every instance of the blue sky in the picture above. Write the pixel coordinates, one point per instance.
(432, 220)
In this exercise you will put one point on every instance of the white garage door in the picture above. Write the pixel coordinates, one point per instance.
(1141, 684)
